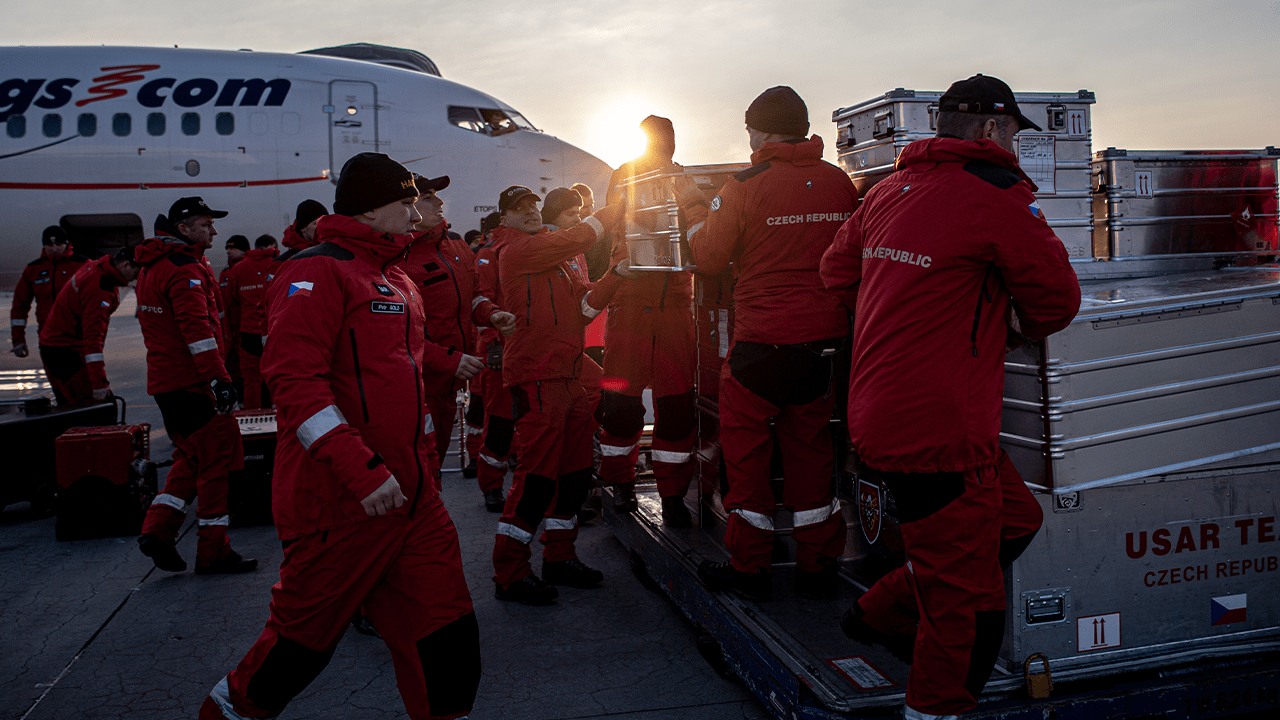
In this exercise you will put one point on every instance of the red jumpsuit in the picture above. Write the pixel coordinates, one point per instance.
(344, 365)
(42, 279)
(231, 326)
(499, 427)
(774, 221)
(649, 342)
(933, 261)
(542, 363)
(443, 270)
(179, 307)
(245, 291)
(72, 335)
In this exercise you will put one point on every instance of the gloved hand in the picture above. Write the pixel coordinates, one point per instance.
(224, 395)
(612, 214)
(20, 349)
(468, 366)
(503, 322)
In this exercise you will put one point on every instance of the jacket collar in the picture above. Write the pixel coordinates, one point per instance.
(357, 237)
(294, 239)
(260, 253)
(431, 236)
(806, 152)
(951, 150)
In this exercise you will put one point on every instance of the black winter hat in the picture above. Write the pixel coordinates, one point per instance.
(370, 180)
(983, 95)
(53, 234)
(779, 110)
(559, 200)
(307, 212)
(238, 242)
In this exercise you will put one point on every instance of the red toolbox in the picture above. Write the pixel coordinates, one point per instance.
(105, 480)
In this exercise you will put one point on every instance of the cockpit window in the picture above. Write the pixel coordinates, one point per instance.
(488, 121)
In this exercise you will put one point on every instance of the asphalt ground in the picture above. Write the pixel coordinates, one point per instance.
(90, 629)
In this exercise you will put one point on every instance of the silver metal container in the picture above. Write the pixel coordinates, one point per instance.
(1188, 203)
(872, 134)
(655, 230)
(1154, 375)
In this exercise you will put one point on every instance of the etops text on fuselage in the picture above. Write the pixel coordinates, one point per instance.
(17, 95)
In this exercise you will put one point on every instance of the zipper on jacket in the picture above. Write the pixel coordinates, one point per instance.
(417, 384)
(528, 299)
(977, 311)
(355, 358)
(552, 290)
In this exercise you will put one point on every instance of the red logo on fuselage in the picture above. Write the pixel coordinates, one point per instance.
(108, 86)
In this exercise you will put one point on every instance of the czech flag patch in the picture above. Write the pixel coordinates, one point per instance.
(1034, 207)
(106, 304)
(300, 288)
(192, 282)
(1228, 610)
(483, 261)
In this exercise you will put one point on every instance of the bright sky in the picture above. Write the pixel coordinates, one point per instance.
(1171, 74)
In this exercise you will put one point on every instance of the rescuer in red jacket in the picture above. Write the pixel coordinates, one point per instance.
(774, 221)
(541, 365)
(72, 336)
(179, 309)
(301, 234)
(443, 270)
(947, 262)
(237, 247)
(498, 427)
(41, 281)
(354, 499)
(649, 342)
(245, 292)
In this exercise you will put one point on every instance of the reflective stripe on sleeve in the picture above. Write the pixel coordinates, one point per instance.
(587, 311)
(561, 523)
(670, 457)
(755, 519)
(492, 461)
(17, 323)
(221, 696)
(473, 430)
(695, 228)
(595, 225)
(515, 533)
(476, 302)
(203, 346)
(817, 515)
(615, 450)
(317, 425)
(95, 357)
(222, 314)
(171, 500)
(429, 425)
(223, 520)
(909, 713)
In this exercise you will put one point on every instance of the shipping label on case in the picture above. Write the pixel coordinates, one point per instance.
(1076, 127)
(1142, 184)
(1038, 158)
(1097, 632)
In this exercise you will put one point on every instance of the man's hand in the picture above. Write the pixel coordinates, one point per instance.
(623, 268)
(20, 349)
(504, 322)
(224, 395)
(468, 366)
(385, 499)
(102, 394)
(686, 190)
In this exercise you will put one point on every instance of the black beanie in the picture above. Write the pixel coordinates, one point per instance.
(559, 200)
(238, 242)
(779, 110)
(53, 234)
(370, 180)
(307, 212)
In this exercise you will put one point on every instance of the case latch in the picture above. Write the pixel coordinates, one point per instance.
(1040, 684)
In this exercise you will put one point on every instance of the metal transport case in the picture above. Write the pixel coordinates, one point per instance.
(656, 234)
(872, 134)
(249, 490)
(105, 481)
(28, 430)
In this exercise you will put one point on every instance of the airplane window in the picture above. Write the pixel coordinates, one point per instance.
(155, 124)
(121, 124)
(52, 125)
(16, 127)
(224, 123)
(499, 123)
(467, 119)
(519, 120)
(190, 124)
(87, 125)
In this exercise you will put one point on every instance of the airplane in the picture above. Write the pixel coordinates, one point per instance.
(100, 140)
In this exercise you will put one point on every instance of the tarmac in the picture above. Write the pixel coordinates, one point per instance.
(90, 629)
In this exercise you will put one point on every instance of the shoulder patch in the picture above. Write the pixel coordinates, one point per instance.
(181, 259)
(751, 172)
(327, 249)
(715, 203)
(988, 172)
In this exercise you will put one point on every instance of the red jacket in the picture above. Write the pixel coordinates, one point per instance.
(773, 221)
(42, 279)
(444, 272)
(932, 262)
(231, 315)
(179, 304)
(489, 285)
(296, 243)
(246, 288)
(551, 305)
(344, 364)
(81, 314)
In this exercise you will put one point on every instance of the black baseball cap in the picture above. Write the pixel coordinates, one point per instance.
(189, 207)
(53, 234)
(424, 183)
(513, 195)
(983, 95)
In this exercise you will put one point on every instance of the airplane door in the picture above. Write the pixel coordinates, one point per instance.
(353, 122)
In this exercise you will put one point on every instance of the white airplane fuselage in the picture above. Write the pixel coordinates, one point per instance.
(100, 140)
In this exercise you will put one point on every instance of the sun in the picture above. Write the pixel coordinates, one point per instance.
(615, 135)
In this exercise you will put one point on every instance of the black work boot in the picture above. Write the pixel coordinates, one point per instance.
(674, 513)
(494, 500)
(470, 470)
(163, 554)
(822, 584)
(720, 576)
(624, 498)
(855, 628)
(529, 590)
(362, 625)
(230, 564)
(572, 572)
